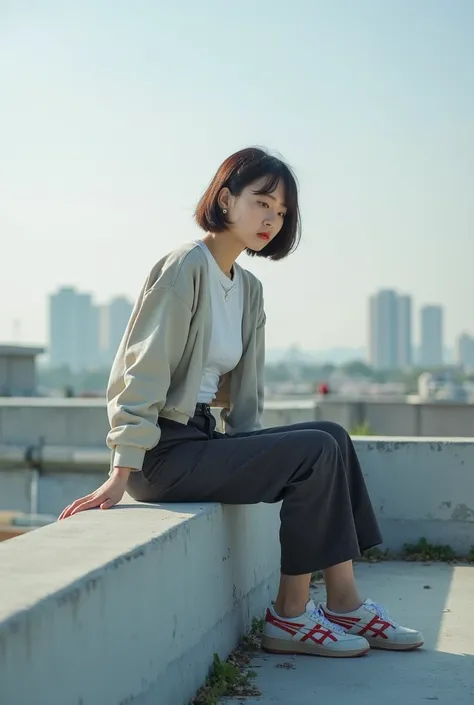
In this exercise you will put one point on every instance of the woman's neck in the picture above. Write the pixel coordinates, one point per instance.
(224, 248)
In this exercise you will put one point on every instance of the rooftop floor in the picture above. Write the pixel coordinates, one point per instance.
(438, 599)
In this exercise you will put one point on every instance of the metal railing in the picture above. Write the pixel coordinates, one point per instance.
(40, 458)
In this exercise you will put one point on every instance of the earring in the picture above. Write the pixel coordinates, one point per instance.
(224, 210)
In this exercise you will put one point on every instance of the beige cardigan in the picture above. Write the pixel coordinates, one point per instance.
(160, 361)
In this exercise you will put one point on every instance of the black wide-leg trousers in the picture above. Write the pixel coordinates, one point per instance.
(326, 513)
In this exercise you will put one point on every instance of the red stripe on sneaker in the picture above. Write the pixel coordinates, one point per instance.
(340, 618)
(377, 626)
(290, 627)
(346, 622)
(324, 634)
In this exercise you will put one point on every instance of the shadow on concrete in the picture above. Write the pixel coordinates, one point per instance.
(387, 678)
(442, 672)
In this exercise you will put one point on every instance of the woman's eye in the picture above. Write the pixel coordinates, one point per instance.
(262, 203)
(282, 215)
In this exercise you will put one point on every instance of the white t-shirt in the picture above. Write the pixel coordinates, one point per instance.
(225, 349)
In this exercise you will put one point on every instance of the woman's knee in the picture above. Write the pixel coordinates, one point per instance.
(312, 441)
(335, 430)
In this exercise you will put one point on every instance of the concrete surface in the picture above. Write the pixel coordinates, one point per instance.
(399, 418)
(83, 422)
(419, 487)
(129, 605)
(442, 672)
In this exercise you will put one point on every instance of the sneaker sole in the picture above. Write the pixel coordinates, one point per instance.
(282, 646)
(393, 647)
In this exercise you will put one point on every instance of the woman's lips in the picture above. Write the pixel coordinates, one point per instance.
(264, 236)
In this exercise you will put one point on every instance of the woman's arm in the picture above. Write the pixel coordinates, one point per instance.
(150, 350)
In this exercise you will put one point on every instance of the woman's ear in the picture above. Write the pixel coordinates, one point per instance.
(223, 200)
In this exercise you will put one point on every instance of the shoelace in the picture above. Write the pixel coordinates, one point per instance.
(320, 617)
(382, 613)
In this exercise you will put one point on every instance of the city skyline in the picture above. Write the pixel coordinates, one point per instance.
(85, 333)
(106, 150)
(391, 327)
(409, 344)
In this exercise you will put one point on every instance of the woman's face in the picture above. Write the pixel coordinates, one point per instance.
(255, 219)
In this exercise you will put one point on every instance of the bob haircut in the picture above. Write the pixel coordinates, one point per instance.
(238, 171)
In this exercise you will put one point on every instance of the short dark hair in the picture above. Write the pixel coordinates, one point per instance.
(238, 171)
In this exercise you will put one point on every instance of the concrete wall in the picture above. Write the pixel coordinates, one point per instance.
(447, 420)
(386, 418)
(140, 597)
(422, 487)
(83, 422)
(73, 422)
(419, 487)
(129, 605)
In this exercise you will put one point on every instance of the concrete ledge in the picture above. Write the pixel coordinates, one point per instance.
(129, 605)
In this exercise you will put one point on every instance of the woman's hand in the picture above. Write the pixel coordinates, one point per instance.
(104, 497)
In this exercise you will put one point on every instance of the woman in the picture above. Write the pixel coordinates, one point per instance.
(196, 338)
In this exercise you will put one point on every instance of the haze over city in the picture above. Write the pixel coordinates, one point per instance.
(114, 120)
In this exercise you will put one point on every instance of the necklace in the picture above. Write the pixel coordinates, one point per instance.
(227, 291)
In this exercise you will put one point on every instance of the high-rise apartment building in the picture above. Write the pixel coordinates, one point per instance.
(74, 330)
(84, 336)
(390, 330)
(63, 340)
(88, 327)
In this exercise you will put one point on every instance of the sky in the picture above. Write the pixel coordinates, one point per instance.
(115, 115)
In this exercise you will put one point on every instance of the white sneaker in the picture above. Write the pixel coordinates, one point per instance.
(372, 622)
(310, 633)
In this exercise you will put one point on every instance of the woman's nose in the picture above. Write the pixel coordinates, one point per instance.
(269, 218)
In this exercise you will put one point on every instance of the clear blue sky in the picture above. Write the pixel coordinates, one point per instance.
(114, 116)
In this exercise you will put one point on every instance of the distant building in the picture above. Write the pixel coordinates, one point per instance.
(18, 370)
(441, 387)
(384, 330)
(405, 327)
(390, 330)
(119, 312)
(465, 351)
(88, 329)
(431, 351)
(62, 336)
(74, 330)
